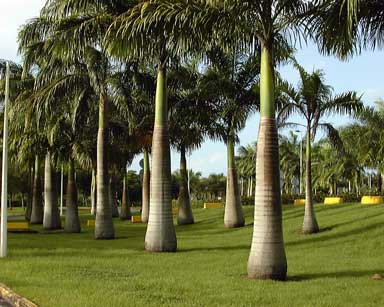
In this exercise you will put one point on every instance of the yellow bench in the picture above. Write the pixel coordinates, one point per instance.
(17, 226)
(333, 200)
(299, 202)
(213, 205)
(136, 219)
(91, 223)
(372, 200)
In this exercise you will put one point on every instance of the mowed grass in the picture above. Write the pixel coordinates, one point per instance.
(332, 268)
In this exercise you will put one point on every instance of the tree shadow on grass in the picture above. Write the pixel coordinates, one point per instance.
(336, 274)
(213, 248)
(316, 238)
(336, 225)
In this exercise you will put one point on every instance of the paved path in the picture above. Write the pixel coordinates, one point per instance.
(4, 303)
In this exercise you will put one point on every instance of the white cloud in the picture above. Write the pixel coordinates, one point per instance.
(13, 14)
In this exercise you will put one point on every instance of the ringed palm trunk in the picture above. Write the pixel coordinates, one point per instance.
(185, 215)
(37, 214)
(112, 197)
(267, 259)
(160, 235)
(51, 210)
(310, 223)
(104, 224)
(93, 193)
(233, 214)
(125, 213)
(72, 221)
(28, 212)
(145, 189)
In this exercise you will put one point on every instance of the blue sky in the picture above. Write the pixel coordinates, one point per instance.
(363, 74)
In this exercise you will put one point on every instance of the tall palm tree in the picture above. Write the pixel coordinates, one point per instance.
(189, 117)
(245, 24)
(314, 100)
(129, 35)
(58, 30)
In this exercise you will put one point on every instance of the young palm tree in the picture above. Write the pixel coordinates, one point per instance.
(233, 79)
(314, 100)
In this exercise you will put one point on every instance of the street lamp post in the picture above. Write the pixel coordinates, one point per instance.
(4, 182)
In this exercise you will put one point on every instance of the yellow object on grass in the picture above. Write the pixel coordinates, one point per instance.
(333, 200)
(372, 200)
(299, 202)
(213, 205)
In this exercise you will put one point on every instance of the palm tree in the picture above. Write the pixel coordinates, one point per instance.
(246, 162)
(189, 117)
(72, 221)
(145, 187)
(232, 78)
(245, 24)
(59, 23)
(345, 27)
(125, 213)
(314, 100)
(290, 160)
(51, 210)
(127, 36)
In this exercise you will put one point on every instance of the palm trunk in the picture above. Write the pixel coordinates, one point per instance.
(28, 212)
(160, 235)
(93, 193)
(146, 188)
(104, 224)
(267, 258)
(37, 214)
(112, 197)
(51, 210)
(72, 221)
(185, 215)
(125, 213)
(310, 223)
(233, 213)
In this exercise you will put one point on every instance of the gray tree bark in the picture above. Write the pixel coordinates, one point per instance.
(146, 189)
(161, 235)
(267, 258)
(310, 223)
(72, 221)
(51, 219)
(37, 213)
(93, 193)
(185, 215)
(104, 228)
(112, 197)
(125, 213)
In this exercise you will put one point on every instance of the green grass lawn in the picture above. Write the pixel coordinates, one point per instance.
(332, 268)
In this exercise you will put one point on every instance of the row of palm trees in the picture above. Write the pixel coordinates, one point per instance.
(79, 52)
